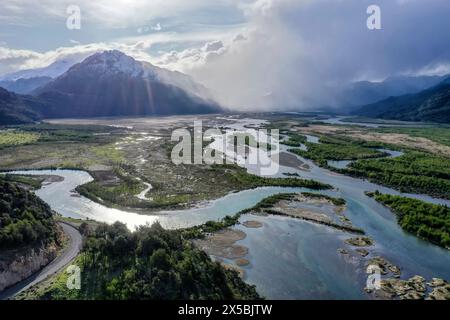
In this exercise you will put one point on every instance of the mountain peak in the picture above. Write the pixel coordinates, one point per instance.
(109, 55)
(111, 62)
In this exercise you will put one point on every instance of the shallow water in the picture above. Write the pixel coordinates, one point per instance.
(339, 164)
(311, 139)
(339, 121)
(295, 259)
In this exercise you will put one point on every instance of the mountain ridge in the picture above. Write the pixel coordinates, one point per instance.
(428, 105)
(18, 109)
(362, 93)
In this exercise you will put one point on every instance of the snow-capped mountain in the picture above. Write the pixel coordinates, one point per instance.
(111, 83)
(113, 62)
(109, 63)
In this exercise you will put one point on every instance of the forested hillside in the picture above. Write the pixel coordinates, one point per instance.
(24, 218)
(151, 263)
(426, 220)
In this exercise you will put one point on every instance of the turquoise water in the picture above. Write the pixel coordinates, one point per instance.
(294, 259)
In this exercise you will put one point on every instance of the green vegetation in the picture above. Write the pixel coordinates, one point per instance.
(247, 180)
(122, 191)
(47, 133)
(10, 138)
(24, 218)
(272, 200)
(428, 221)
(284, 124)
(67, 132)
(339, 148)
(150, 263)
(31, 181)
(59, 146)
(109, 151)
(413, 172)
(289, 174)
(294, 140)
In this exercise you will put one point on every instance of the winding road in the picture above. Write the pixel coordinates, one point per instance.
(69, 253)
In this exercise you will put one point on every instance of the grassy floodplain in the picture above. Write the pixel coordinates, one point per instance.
(10, 138)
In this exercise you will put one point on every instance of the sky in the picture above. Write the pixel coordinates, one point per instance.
(252, 54)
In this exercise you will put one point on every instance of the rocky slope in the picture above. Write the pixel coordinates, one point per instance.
(29, 236)
(16, 266)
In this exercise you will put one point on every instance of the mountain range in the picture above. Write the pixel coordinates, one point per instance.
(361, 93)
(428, 105)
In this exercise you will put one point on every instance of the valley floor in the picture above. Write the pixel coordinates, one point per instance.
(127, 157)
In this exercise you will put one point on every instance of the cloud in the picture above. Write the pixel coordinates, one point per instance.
(11, 60)
(156, 27)
(189, 59)
(433, 69)
(105, 13)
(302, 51)
(14, 60)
